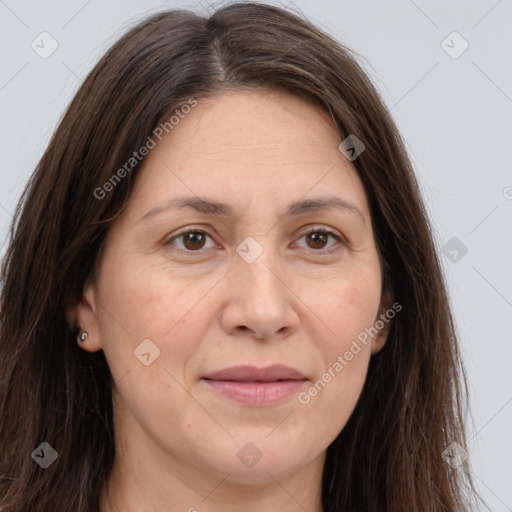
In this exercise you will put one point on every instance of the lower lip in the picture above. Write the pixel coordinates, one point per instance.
(256, 393)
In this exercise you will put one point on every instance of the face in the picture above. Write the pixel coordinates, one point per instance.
(263, 278)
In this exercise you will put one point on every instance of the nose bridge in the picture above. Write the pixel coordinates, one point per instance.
(257, 266)
(258, 297)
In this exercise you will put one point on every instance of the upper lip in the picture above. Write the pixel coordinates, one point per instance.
(249, 373)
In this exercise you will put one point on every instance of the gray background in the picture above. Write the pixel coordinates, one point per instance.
(454, 113)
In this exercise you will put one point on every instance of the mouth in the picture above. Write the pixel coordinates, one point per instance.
(256, 386)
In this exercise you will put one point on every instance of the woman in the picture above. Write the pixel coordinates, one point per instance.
(221, 289)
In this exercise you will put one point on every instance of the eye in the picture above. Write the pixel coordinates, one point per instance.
(193, 239)
(318, 237)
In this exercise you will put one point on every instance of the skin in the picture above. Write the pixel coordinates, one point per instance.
(177, 439)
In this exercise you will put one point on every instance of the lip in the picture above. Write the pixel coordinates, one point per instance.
(256, 386)
(249, 373)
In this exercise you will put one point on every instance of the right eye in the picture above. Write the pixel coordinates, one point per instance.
(193, 240)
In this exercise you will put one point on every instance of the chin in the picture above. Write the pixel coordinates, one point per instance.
(261, 462)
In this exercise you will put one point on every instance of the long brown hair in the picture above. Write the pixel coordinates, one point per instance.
(389, 456)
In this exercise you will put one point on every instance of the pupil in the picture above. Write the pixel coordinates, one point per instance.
(194, 238)
(317, 237)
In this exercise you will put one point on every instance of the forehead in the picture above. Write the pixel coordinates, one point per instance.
(256, 121)
(259, 147)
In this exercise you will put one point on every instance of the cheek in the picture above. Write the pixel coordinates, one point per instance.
(148, 299)
(348, 308)
(140, 304)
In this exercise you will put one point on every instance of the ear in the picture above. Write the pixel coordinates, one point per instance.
(82, 313)
(382, 324)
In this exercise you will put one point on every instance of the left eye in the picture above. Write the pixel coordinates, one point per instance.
(194, 239)
(320, 236)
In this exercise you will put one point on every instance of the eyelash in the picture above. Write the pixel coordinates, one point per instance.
(336, 248)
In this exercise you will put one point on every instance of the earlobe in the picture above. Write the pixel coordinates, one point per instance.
(82, 318)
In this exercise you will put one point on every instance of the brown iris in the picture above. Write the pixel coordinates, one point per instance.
(194, 240)
(317, 237)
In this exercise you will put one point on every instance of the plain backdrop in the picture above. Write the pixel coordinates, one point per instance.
(451, 96)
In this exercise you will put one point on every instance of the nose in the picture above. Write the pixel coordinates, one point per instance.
(260, 299)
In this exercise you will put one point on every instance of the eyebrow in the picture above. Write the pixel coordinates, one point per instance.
(211, 207)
